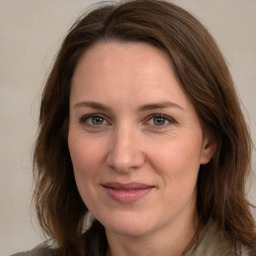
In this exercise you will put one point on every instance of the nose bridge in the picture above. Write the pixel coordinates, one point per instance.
(125, 153)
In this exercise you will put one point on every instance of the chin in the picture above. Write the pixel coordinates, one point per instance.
(128, 225)
(129, 230)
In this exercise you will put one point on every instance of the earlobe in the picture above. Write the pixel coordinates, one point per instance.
(209, 147)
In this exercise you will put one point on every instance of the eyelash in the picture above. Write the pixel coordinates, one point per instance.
(85, 120)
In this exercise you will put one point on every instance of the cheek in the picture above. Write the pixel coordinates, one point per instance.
(178, 154)
(85, 154)
(85, 159)
(178, 163)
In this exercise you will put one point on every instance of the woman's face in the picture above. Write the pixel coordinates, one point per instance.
(135, 140)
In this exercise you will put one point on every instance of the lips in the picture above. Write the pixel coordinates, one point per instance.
(126, 193)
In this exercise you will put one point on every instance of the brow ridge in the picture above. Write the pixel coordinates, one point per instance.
(151, 106)
(160, 105)
(92, 104)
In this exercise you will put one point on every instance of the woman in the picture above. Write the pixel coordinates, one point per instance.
(141, 132)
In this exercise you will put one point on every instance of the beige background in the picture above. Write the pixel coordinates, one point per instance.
(31, 32)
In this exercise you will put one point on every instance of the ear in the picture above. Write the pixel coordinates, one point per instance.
(209, 147)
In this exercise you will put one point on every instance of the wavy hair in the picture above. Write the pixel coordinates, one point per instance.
(205, 78)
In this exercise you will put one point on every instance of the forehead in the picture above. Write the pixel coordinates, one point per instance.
(122, 55)
(136, 71)
(108, 54)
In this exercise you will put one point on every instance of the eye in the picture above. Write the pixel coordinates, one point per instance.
(93, 120)
(96, 120)
(160, 120)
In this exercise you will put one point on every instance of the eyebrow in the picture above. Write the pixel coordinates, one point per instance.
(160, 105)
(152, 106)
(92, 104)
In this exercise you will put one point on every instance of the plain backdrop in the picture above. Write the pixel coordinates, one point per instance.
(31, 33)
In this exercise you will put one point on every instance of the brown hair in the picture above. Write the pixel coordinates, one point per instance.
(205, 78)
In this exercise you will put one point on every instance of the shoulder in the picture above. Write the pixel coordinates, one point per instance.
(40, 250)
(214, 242)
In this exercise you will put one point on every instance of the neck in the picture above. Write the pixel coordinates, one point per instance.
(172, 240)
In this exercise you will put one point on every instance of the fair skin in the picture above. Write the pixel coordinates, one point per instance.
(136, 145)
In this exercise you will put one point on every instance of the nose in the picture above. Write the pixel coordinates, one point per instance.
(125, 152)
